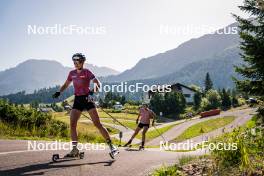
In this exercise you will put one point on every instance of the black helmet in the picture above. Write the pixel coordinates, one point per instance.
(79, 56)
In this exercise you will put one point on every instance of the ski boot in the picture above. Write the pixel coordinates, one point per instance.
(73, 153)
(113, 151)
(141, 147)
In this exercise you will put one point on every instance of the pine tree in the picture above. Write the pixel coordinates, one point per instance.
(252, 46)
(197, 98)
(208, 84)
(234, 98)
(226, 100)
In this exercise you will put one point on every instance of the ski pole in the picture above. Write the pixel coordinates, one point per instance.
(115, 120)
(159, 133)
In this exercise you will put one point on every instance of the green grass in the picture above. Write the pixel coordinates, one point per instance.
(16, 132)
(204, 127)
(173, 170)
(167, 171)
(129, 124)
(248, 158)
(121, 115)
(87, 132)
(83, 127)
(176, 170)
(151, 134)
(251, 123)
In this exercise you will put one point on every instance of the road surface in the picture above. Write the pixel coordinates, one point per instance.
(16, 160)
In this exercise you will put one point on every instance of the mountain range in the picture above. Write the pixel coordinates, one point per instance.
(36, 74)
(194, 50)
(188, 64)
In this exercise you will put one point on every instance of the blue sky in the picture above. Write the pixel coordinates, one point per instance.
(132, 28)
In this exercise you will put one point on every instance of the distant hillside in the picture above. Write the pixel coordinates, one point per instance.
(35, 74)
(101, 71)
(220, 67)
(174, 60)
(42, 95)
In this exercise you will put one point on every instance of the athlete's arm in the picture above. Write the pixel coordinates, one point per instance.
(153, 115)
(65, 85)
(62, 88)
(97, 85)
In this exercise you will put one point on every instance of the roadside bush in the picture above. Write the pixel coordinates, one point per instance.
(30, 121)
(214, 99)
(249, 154)
(205, 104)
(241, 101)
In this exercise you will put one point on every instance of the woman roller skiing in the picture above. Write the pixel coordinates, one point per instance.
(83, 100)
(145, 114)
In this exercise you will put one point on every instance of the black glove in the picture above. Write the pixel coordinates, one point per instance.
(137, 121)
(56, 95)
(91, 97)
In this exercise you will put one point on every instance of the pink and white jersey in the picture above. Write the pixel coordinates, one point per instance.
(81, 81)
(145, 115)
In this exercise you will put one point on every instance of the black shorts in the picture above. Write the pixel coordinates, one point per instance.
(81, 103)
(141, 125)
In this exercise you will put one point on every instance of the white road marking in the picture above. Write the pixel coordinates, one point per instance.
(18, 151)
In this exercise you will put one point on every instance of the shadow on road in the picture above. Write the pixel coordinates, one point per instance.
(47, 166)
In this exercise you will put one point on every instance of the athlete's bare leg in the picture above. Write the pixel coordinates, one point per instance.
(133, 136)
(135, 133)
(75, 115)
(96, 121)
(145, 129)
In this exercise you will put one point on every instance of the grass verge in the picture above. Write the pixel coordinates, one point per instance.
(204, 127)
(151, 134)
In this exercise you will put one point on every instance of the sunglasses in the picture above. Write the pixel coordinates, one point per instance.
(77, 61)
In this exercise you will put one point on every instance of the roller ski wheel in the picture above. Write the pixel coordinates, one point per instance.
(55, 157)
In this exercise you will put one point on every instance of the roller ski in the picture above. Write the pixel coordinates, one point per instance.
(128, 145)
(74, 154)
(113, 151)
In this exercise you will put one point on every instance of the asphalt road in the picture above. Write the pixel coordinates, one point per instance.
(16, 160)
